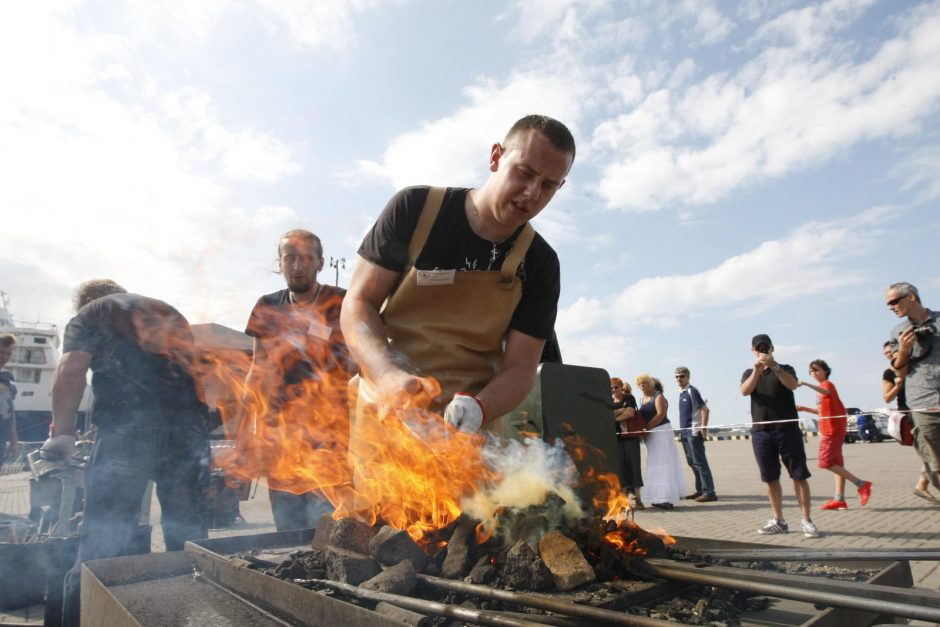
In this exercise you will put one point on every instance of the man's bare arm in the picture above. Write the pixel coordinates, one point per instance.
(516, 376)
(67, 389)
(365, 333)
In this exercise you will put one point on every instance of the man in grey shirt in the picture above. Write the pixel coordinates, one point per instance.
(917, 345)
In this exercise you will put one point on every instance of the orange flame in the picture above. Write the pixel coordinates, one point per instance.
(298, 436)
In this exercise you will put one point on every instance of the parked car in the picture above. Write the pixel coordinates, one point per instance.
(875, 426)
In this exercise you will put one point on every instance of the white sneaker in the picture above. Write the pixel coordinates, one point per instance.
(773, 527)
(809, 529)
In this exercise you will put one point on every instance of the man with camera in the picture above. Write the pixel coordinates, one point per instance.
(775, 434)
(915, 342)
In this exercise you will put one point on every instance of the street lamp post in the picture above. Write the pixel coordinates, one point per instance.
(337, 264)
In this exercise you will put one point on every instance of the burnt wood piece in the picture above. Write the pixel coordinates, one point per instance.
(483, 571)
(525, 570)
(564, 559)
(460, 551)
(348, 566)
(917, 604)
(543, 602)
(391, 546)
(397, 579)
(351, 534)
(301, 565)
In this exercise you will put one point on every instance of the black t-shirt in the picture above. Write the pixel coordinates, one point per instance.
(771, 400)
(142, 356)
(299, 345)
(452, 245)
(901, 399)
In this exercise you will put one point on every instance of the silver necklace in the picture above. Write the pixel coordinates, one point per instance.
(494, 251)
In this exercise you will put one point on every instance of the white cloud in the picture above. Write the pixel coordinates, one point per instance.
(329, 23)
(922, 170)
(454, 150)
(775, 272)
(789, 108)
(111, 175)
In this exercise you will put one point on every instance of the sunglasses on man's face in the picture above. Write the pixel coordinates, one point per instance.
(763, 348)
(894, 301)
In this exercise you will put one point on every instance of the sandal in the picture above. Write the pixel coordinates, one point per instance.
(638, 504)
(927, 496)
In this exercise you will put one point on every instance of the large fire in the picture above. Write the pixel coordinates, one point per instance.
(425, 474)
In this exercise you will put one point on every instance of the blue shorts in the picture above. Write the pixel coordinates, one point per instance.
(771, 446)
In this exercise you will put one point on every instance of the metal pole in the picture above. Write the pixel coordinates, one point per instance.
(721, 578)
(798, 555)
(543, 603)
(425, 607)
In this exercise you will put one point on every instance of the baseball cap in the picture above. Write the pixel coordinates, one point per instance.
(682, 370)
(759, 339)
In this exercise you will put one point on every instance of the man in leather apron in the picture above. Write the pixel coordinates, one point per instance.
(455, 294)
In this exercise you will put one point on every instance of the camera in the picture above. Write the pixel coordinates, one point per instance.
(926, 329)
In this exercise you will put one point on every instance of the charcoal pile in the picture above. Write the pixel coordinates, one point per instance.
(594, 563)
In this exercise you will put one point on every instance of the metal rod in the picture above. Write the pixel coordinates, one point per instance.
(543, 602)
(797, 555)
(722, 578)
(478, 617)
(197, 576)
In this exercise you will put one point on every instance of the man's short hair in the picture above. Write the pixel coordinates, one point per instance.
(95, 289)
(551, 129)
(683, 370)
(302, 234)
(7, 339)
(904, 289)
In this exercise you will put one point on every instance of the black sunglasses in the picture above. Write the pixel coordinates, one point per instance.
(894, 301)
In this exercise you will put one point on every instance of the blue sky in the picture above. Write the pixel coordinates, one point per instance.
(746, 167)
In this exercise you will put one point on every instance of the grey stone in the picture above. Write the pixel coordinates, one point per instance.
(348, 566)
(564, 559)
(459, 551)
(525, 570)
(397, 579)
(321, 536)
(391, 546)
(352, 534)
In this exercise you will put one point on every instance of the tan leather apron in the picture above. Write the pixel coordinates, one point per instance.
(452, 332)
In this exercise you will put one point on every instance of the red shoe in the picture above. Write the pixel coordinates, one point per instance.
(864, 493)
(834, 504)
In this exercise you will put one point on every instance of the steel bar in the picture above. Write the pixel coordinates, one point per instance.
(543, 602)
(921, 605)
(798, 555)
(478, 617)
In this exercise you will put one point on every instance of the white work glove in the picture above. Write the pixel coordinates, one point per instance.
(465, 412)
(58, 448)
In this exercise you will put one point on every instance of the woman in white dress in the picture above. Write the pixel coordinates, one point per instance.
(665, 482)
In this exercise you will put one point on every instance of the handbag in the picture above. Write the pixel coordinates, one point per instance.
(901, 427)
(634, 427)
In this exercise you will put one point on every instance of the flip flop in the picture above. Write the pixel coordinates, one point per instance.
(927, 496)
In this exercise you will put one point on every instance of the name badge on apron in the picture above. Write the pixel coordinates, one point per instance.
(435, 277)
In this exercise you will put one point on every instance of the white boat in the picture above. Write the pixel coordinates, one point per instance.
(33, 366)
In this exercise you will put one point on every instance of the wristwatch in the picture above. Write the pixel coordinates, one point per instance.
(775, 368)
